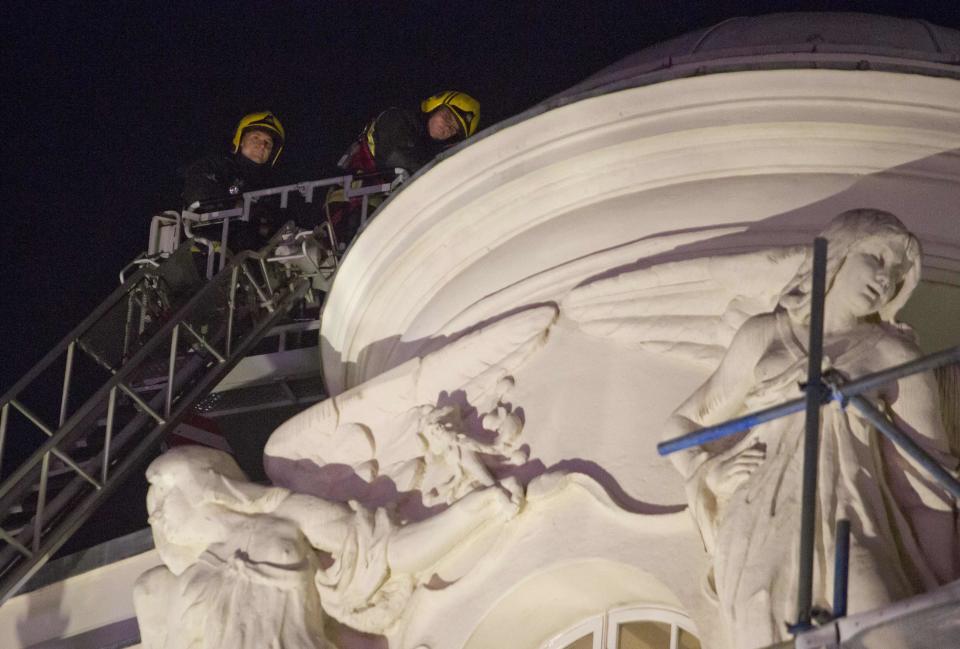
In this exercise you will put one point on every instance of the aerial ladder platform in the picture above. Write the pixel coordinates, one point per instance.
(145, 359)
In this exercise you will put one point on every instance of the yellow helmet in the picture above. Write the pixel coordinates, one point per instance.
(265, 121)
(464, 107)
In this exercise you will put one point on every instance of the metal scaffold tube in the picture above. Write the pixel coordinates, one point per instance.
(811, 440)
(841, 393)
(906, 444)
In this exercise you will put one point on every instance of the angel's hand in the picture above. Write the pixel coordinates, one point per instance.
(726, 476)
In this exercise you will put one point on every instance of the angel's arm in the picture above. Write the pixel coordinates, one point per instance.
(326, 525)
(418, 546)
(722, 395)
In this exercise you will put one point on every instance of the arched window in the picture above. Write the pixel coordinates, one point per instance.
(637, 627)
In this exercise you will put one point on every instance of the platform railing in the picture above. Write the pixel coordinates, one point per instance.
(362, 187)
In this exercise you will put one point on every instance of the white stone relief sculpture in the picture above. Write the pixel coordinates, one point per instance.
(252, 566)
(407, 425)
(238, 567)
(744, 492)
(449, 464)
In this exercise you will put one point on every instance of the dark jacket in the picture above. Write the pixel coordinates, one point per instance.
(218, 180)
(400, 140)
(397, 137)
(218, 177)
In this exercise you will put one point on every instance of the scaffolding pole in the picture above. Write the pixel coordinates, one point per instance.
(811, 439)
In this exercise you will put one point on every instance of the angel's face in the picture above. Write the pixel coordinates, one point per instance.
(869, 276)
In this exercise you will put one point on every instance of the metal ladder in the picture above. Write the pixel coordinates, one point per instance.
(160, 343)
(155, 356)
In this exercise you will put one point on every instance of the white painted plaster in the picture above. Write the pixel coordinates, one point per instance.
(85, 602)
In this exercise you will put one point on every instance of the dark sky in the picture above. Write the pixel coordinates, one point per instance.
(103, 101)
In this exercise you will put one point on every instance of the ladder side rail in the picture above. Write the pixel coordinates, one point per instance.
(76, 333)
(65, 497)
(68, 493)
(98, 398)
(147, 412)
(16, 488)
(119, 376)
(22, 572)
(17, 492)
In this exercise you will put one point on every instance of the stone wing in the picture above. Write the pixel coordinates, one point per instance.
(690, 308)
(369, 427)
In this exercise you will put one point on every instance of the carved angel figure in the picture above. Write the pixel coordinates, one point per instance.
(448, 463)
(406, 425)
(744, 492)
(252, 566)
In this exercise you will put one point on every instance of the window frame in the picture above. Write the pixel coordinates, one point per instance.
(595, 625)
(677, 621)
(605, 627)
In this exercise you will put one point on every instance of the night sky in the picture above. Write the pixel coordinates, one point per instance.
(103, 102)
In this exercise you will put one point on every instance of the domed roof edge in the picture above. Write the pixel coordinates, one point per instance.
(784, 40)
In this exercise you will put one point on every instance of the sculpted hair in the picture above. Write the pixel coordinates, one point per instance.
(846, 233)
(211, 476)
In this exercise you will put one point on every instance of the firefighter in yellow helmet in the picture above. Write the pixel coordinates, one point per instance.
(451, 114)
(401, 138)
(257, 143)
(216, 181)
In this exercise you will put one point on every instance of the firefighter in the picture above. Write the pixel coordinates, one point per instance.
(401, 138)
(216, 179)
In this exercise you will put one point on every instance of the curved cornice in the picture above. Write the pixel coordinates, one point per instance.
(598, 173)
